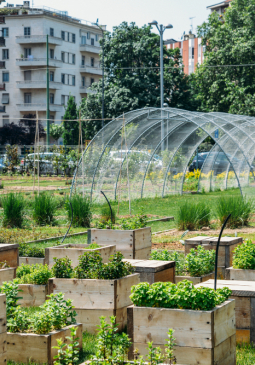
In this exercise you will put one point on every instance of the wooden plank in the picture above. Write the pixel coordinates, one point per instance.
(142, 238)
(9, 253)
(7, 274)
(225, 241)
(243, 336)
(195, 280)
(196, 240)
(225, 352)
(32, 295)
(3, 346)
(167, 275)
(243, 312)
(122, 239)
(123, 290)
(239, 288)
(252, 325)
(130, 331)
(31, 260)
(240, 274)
(2, 313)
(8, 246)
(224, 322)
(150, 265)
(143, 253)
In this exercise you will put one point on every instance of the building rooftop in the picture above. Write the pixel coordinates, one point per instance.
(222, 3)
(170, 41)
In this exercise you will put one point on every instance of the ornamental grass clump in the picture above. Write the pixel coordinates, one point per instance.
(181, 296)
(13, 205)
(44, 208)
(244, 256)
(241, 210)
(81, 210)
(192, 215)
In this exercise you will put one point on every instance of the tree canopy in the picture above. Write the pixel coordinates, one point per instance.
(70, 124)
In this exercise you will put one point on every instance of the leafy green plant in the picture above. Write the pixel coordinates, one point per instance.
(44, 208)
(166, 255)
(11, 290)
(183, 295)
(93, 246)
(67, 354)
(244, 256)
(241, 210)
(82, 214)
(27, 251)
(192, 215)
(106, 214)
(33, 274)
(62, 267)
(169, 347)
(200, 261)
(139, 221)
(13, 205)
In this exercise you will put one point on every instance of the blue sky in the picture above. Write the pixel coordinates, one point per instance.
(113, 12)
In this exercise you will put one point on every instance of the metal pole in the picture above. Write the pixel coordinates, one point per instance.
(161, 31)
(103, 81)
(197, 159)
(48, 94)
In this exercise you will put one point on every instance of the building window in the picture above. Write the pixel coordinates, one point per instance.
(92, 62)
(5, 54)
(193, 52)
(51, 98)
(96, 37)
(5, 76)
(63, 78)
(27, 31)
(27, 98)
(73, 80)
(73, 38)
(88, 35)
(83, 39)
(83, 60)
(5, 98)
(5, 32)
(63, 56)
(83, 81)
(27, 75)
(63, 35)
(92, 81)
(5, 120)
(92, 42)
(51, 75)
(51, 32)
(51, 53)
(73, 59)
(68, 36)
(27, 52)
(62, 99)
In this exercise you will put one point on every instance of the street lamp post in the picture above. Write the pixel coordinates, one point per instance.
(161, 28)
(100, 27)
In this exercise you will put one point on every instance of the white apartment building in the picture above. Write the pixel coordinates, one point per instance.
(73, 48)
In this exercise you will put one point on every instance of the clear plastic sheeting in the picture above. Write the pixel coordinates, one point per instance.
(147, 153)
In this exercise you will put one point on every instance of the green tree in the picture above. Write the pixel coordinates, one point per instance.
(229, 40)
(70, 123)
(56, 130)
(132, 58)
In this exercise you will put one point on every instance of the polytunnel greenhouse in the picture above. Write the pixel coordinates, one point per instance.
(147, 153)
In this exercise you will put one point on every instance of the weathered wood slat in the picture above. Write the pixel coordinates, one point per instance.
(9, 253)
(31, 260)
(239, 288)
(32, 295)
(7, 274)
(240, 274)
(195, 280)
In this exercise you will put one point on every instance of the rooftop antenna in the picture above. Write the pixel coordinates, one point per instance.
(191, 25)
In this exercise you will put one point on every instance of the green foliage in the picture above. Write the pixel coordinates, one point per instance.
(13, 205)
(44, 208)
(169, 347)
(71, 126)
(67, 354)
(11, 290)
(241, 210)
(165, 255)
(93, 246)
(62, 267)
(82, 214)
(34, 274)
(183, 296)
(106, 214)
(200, 261)
(26, 251)
(244, 256)
(139, 221)
(192, 215)
(56, 130)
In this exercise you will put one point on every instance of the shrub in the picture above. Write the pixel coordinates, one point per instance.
(27, 251)
(139, 221)
(244, 256)
(192, 215)
(62, 268)
(200, 261)
(106, 214)
(34, 274)
(165, 255)
(183, 296)
(82, 214)
(240, 208)
(44, 208)
(13, 205)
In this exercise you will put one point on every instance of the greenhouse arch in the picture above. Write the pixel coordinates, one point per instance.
(147, 153)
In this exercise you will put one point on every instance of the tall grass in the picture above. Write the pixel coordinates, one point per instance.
(191, 215)
(13, 205)
(82, 214)
(240, 208)
(44, 208)
(106, 213)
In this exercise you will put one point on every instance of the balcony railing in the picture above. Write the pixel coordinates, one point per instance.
(38, 84)
(89, 48)
(31, 61)
(96, 69)
(24, 39)
(85, 89)
(38, 107)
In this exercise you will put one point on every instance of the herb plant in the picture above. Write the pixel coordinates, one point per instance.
(62, 267)
(244, 256)
(67, 354)
(34, 274)
(139, 221)
(165, 255)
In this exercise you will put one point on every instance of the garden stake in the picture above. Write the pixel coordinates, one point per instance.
(70, 222)
(217, 250)
(108, 204)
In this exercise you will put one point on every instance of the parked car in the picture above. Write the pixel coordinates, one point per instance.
(198, 161)
(142, 157)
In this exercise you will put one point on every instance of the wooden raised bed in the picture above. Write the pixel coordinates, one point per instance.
(202, 337)
(31, 260)
(32, 295)
(244, 294)
(30, 347)
(3, 333)
(93, 298)
(240, 274)
(10, 254)
(7, 274)
(153, 271)
(226, 248)
(74, 250)
(194, 279)
(133, 244)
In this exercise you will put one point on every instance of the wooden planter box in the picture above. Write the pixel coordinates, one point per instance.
(194, 279)
(202, 337)
(73, 251)
(153, 271)
(31, 260)
(93, 298)
(240, 274)
(133, 244)
(226, 248)
(3, 333)
(244, 294)
(7, 274)
(194, 242)
(30, 347)
(32, 295)
(10, 254)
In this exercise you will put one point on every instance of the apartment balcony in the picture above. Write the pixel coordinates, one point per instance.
(2, 64)
(34, 62)
(89, 48)
(40, 84)
(95, 70)
(85, 89)
(38, 39)
(27, 107)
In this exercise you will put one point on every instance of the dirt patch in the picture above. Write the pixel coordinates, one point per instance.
(30, 188)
